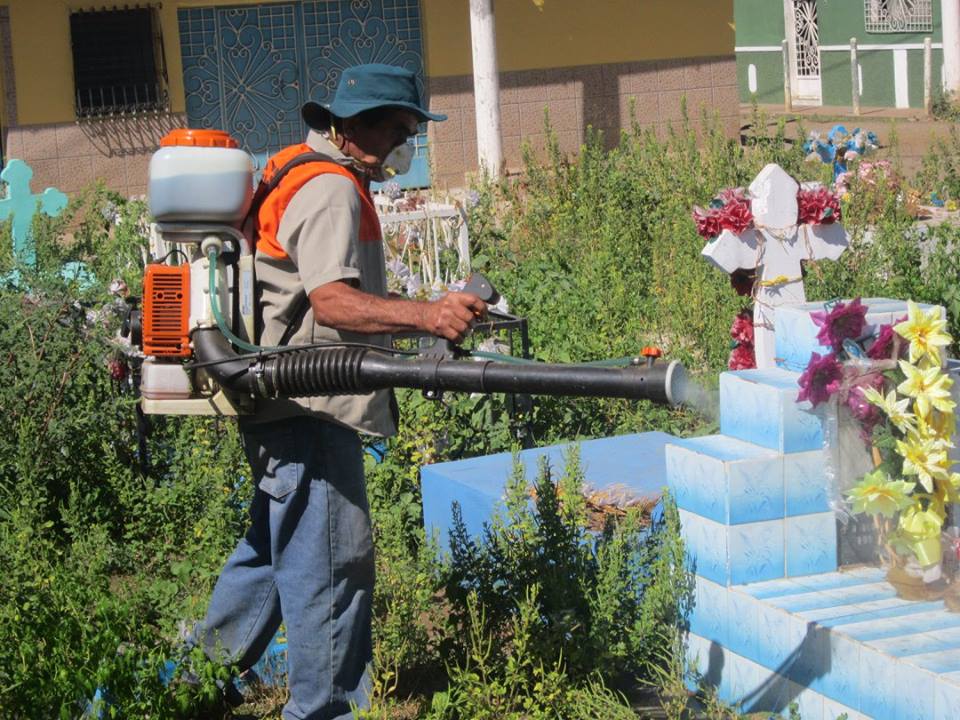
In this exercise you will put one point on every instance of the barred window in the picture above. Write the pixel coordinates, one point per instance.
(117, 62)
(895, 16)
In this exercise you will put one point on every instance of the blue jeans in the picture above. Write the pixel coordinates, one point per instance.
(307, 559)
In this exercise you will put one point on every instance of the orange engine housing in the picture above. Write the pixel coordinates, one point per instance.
(166, 311)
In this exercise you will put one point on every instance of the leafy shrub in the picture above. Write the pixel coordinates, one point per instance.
(600, 597)
(112, 538)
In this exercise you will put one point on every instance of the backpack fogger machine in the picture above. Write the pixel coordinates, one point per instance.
(197, 324)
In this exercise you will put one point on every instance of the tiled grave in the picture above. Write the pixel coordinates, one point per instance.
(775, 621)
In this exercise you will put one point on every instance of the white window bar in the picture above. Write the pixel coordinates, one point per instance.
(898, 16)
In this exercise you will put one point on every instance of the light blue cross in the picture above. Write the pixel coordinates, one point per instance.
(21, 205)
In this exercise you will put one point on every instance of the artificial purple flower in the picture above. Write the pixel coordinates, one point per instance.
(845, 320)
(882, 347)
(867, 413)
(821, 379)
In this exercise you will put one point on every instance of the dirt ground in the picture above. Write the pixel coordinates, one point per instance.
(914, 131)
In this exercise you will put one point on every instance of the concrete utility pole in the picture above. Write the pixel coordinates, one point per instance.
(950, 11)
(855, 76)
(486, 86)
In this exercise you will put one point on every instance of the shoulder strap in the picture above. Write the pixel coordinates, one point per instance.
(296, 318)
(297, 161)
(264, 189)
(268, 185)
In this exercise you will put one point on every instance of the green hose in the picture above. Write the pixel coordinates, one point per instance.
(612, 362)
(501, 358)
(212, 254)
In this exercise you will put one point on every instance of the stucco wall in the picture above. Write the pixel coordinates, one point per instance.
(559, 33)
(578, 45)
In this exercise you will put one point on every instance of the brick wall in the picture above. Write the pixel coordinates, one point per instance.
(576, 97)
(72, 156)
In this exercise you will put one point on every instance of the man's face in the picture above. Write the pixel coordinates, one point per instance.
(372, 143)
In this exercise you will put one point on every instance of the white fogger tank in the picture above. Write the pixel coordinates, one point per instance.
(200, 189)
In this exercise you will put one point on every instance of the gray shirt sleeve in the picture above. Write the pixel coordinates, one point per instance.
(320, 231)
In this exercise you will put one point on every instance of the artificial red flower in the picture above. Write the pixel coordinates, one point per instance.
(736, 216)
(729, 195)
(817, 207)
(742, 329)
(844, 320)
(118, 369)
(708, 222)
(822, 378)
(742, 358)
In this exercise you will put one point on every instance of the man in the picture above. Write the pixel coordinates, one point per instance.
(307, 558)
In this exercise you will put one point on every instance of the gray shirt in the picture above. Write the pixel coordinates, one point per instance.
(319, 231)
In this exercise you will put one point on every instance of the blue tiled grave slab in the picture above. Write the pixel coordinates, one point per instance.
(633, 461)
(796, 333)
(839, 642)
(807, 485)
(760, 406)
(810, 544)
(725, 479)
(733, 554)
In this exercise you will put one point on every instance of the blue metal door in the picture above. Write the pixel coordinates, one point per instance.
(248, 69)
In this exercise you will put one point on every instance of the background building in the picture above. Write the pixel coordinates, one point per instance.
(889, 33)
(88, 90)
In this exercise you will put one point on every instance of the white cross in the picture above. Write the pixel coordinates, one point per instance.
(775, 248)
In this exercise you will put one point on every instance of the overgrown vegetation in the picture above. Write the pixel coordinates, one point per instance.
(113, 537)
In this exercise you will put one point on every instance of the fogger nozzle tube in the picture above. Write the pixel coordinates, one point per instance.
(658, 383)
(335, 371)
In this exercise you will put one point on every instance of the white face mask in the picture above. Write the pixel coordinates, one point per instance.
(398, 160)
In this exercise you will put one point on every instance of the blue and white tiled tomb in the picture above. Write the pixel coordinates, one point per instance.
(776, 619)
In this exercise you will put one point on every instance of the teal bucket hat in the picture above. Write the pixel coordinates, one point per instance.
(365, 87)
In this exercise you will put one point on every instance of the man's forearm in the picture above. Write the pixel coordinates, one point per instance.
(344, 307)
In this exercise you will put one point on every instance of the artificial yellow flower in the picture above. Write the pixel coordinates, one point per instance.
(878, 494)
(924, 331)
(920, 531)
(894, 409)
(952, 487)
(930, 387)
(924, 457)
(943, 425)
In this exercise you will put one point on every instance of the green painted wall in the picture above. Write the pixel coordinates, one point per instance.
(915, 73)
(769, 77)
(758, 22)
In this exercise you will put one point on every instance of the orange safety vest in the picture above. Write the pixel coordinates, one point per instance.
(287, 172)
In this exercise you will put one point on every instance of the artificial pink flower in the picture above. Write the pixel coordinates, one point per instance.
(742, 329)
(822, 378)
(742, 358)
(845, 320)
